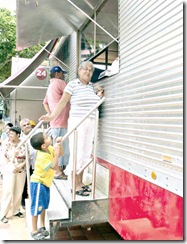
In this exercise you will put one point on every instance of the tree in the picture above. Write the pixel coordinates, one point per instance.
(8, 44)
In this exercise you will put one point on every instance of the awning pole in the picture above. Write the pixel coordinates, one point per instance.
(93, 21)
(56, 58)
(20, 86)
(94, 35)
(2, 96)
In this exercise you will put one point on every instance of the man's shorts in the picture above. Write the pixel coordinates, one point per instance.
(63, 160)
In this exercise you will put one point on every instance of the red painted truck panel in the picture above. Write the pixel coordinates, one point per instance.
(140, 210)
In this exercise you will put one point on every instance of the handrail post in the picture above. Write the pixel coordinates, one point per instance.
(94, 154)
(27, 170)
(74, 163)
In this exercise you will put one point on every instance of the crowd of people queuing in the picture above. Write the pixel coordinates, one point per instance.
(65, 105)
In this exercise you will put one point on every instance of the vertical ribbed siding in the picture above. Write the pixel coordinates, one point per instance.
(70, 47)
(72, 63)
(142, 121)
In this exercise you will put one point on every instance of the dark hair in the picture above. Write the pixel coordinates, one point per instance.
(37, 140)
(52, 75)
(9, 124)
(17, 130)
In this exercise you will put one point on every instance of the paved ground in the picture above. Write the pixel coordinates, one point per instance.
(16, 229)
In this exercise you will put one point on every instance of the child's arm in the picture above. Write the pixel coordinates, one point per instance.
(59, 140)
(58, 151)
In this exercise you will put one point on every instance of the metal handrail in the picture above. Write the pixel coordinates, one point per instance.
(74, 129)
(27, 156)
(83, 118)
(64, 138)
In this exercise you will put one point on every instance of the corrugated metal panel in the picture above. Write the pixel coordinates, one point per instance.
(72, 61)
(141, 129)
(67, 53)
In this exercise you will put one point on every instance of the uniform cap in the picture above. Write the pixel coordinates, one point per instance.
(57, 69)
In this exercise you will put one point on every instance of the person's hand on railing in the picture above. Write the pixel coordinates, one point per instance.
(58, 147)
(99, 91)
(45, 118)
(59, 139)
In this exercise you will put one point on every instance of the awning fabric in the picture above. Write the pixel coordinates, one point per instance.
(22, 74)
(39, 21)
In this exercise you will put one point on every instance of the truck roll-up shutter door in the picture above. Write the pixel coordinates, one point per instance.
(143, 112)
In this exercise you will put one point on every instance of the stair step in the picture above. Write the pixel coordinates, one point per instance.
(57, 207)
(64, 188)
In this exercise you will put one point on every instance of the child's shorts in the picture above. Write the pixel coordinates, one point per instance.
(40, 196)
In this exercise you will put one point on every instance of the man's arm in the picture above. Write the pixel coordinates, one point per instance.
(58, 108)
(46, 107)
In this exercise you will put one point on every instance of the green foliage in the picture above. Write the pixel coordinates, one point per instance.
(8, 44)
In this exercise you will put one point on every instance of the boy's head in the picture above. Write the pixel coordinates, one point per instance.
(40, 141)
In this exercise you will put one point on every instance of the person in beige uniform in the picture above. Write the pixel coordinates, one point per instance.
(14, 174)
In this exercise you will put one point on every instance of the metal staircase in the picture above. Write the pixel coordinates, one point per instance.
(68, 209)
(83, 210)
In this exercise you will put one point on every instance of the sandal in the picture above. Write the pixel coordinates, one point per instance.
(4, 220)
(82, 193)
(43, 231)
(19, 214)
(61, 177)
(86, 188)
(38, 236)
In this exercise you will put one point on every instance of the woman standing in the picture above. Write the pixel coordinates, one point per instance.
(82, 98)
(5, 133)
(14, 174)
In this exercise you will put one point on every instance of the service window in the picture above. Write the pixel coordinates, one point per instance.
(99, 38)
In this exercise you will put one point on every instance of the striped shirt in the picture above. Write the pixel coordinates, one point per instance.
(83, 98)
